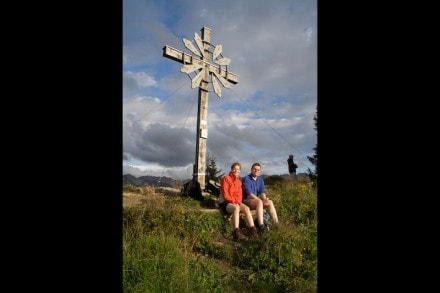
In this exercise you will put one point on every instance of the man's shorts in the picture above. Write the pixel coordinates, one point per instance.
(247, 202)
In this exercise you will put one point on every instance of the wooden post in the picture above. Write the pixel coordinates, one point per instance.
(207, 69)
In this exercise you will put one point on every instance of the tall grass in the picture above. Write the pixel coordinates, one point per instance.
(169, 245)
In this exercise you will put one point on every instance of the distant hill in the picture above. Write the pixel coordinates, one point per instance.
(170, 182)
(151, 181)
(299, 176)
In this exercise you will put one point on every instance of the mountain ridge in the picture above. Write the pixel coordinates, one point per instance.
(163, 181)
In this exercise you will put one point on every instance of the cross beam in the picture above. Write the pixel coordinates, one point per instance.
(177, 55)
(201, 80)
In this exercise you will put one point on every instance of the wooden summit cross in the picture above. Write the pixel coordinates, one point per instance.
(200, 62)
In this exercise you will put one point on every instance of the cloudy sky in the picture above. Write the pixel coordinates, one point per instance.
(263, 118)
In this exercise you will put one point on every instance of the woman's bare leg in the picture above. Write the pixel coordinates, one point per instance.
(247, 213)
(234, 209)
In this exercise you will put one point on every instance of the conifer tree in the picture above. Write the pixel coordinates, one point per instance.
(211, 170)
(313, 175)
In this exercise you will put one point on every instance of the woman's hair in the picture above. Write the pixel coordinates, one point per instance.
(235, 164)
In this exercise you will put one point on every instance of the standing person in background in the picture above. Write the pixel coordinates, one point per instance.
(292, 166)
(254, 196)
(230, 201)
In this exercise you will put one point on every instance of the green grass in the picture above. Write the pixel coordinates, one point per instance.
(169, 245)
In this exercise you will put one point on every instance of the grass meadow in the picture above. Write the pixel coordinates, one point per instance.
(173, 243)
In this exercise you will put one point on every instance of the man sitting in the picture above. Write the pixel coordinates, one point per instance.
(254, 196)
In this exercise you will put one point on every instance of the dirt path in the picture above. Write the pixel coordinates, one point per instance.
(131, 199)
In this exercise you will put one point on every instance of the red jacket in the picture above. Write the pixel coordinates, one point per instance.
(231, 188)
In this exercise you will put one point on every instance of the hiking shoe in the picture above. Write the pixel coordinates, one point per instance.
(254, 232)
(238, 236)
(262, 229)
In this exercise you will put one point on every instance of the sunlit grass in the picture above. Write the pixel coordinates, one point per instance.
(169, 245)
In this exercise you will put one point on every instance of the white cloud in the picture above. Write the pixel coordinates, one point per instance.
(264, 118)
